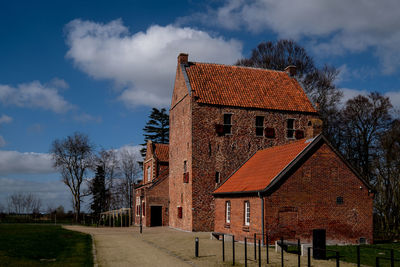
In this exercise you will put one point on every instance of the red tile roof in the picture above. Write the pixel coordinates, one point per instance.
(246, 87)
(161, 151)
(261, 169)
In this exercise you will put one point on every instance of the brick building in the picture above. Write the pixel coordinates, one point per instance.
(220, 115)
(151, 195)
(289, 190)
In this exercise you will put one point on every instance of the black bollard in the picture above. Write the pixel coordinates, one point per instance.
(196, 247)
(391, 258)
(245, 252)
(233, 250)
(377, 262)
(259, 253)
(358, 256)
(309, 256)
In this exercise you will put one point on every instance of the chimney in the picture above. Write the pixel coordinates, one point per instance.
(183, 58)
(314, 128)
(291, 70)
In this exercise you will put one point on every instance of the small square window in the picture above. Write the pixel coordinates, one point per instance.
(259, 126)
(339, 200)
(227, 123)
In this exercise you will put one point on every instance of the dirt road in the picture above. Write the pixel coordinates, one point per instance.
(162, 246)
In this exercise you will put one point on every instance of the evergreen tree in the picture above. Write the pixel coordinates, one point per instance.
(99, 192)
(156, 129)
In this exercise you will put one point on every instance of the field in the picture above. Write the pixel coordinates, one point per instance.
(43, 245)
(368, 253)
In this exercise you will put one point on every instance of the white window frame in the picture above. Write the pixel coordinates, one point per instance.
(247, 213)
(228, 212)
(148, 173)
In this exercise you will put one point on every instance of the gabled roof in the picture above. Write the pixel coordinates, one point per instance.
(266, 167)
(161, 151)
(246, 87)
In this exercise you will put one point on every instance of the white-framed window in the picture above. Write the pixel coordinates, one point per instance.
(148, 173)
(228, 211)
(246, 213)
(228, 123)
(259, 126)
(290, 128)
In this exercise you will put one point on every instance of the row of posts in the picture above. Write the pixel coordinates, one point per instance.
(114, 216)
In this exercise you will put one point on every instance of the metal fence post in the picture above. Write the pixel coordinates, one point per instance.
(377, 262)
(309, 256)
(282, 251)
(245, 252)
(196, 247)
(358, 256)
(391, 258)
(233, 250)
(298, 252)
(223, 247)
(337, 258)
(267, 246)
(255, 247)
(259, 253)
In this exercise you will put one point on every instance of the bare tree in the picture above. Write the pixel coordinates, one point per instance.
(23, 203)
(73, 157)
(131, 170)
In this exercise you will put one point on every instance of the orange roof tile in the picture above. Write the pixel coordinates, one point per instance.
(246, 87)
(161, 151)
(261, 169)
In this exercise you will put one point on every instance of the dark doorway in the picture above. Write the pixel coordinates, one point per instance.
(156, 216)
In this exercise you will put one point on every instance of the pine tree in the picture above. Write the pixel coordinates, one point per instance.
(99, 192)
(156, 129)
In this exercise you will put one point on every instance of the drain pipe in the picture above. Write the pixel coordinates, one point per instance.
(262, 216)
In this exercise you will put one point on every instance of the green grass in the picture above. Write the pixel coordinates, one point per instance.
(34, 245)
(368, 253)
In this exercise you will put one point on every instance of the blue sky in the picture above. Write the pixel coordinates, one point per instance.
(98, 67)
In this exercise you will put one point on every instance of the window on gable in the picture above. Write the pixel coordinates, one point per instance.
(247, 213)
(185, 166)
(339, 200)
(227, 123)
(290, 128)
(228, 211)
(259, 125)
(148, 173)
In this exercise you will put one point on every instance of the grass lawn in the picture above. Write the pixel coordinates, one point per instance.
(44, 245)
(368, 253)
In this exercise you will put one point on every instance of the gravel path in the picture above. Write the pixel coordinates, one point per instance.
(163, 246)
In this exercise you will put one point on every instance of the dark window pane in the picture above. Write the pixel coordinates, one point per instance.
(290, 123)
(259, 131)
(339, 200)
(227, 118)
(259, 121)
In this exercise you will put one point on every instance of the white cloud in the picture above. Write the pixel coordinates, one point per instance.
(144, 63)
(84, 118)
(35, 95)
(2, 141)
(343, 25)
(25, 163)
(394, 96)
(5, 119)
(52, 193)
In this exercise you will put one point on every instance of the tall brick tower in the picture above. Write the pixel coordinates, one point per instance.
(221, 115)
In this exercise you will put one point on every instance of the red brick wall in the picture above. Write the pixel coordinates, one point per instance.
(307, 200)
(212, 153)
(180, 147)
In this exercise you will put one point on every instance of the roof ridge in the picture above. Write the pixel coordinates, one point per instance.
(236, 66)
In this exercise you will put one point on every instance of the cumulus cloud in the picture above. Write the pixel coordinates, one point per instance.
(35, 95)
(343, 25)
(143, 64)
(25, 163)
(84, 118)
(52, 193)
